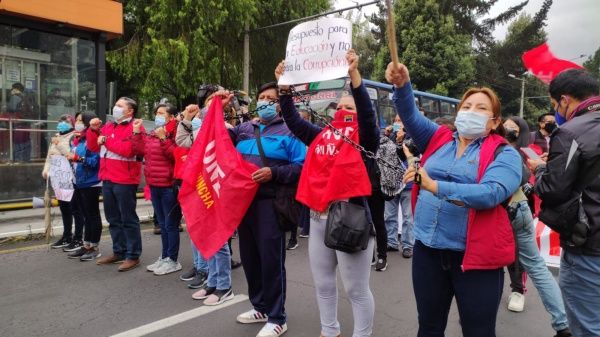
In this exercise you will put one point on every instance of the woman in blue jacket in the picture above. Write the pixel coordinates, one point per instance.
(87, 189)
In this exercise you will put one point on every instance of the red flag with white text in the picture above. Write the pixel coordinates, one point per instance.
(544, 65)
(217, 187)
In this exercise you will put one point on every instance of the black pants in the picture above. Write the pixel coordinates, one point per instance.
(68, 211)
(438, 277)
(377, 207)
(88, 200)
(262, 249)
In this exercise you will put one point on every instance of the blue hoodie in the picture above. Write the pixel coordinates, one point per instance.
(87, 165)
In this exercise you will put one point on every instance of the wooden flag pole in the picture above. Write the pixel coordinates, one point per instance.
(391, 32)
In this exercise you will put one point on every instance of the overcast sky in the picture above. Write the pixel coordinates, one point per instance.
(573, 26)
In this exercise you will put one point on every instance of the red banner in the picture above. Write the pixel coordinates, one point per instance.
(333, 169)
(544, 65)
(217, 187)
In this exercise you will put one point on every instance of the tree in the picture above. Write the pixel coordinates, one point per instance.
(171, 46)
(593, 64)
(439, 57)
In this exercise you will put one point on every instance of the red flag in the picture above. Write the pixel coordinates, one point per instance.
(217, 187)
(333, 169)
(544, 65)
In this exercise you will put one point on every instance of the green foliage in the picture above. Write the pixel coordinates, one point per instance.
(172, 46)
(593, 64)
(439, 57)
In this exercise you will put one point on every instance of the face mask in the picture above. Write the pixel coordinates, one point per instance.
(560, 120)
(63, 127)
(550, 127)
(159, 121)
(117, 112)
(511, 135)
(79, 127)
(470, 124)
(396, 127)
(268, 112)
(196, 123)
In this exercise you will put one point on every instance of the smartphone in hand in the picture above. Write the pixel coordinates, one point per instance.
(530, 153)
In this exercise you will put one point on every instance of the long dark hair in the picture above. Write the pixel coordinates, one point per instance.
(523, 139)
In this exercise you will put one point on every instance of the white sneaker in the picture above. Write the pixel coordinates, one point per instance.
(516, 302)
(155, 265)
(272, 330)
(252, 316)
(167, 266)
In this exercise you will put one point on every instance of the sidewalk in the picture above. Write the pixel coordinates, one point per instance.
(31, 221)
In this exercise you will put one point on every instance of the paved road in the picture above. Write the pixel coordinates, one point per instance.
(43, 293)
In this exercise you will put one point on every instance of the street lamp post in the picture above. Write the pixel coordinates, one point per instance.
(522, 92)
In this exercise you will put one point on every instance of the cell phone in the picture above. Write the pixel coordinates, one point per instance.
(530, 153)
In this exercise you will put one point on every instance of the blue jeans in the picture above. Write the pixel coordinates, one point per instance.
(168, 215)
(199, 262)
(408, 236)
(219, 269)
(391, 221)
(580, 285)
(123, 223)
(534, 264)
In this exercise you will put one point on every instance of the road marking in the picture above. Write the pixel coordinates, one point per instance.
(179, 318)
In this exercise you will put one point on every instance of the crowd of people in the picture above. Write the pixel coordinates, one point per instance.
(459, 199)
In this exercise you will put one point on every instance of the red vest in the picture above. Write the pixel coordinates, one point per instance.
(490, 240)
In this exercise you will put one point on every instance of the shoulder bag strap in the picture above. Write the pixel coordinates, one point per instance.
(261, 151)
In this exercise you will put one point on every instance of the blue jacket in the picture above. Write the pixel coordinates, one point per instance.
(285, 153)
(87, 165)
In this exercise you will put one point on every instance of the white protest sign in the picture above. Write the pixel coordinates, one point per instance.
(61, 177)
(316, 51)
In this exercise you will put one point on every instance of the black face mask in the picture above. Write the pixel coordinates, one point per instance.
(550, 127)
(511, 136)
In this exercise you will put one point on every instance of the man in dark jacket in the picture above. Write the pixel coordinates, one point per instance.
(541, 138)
(574, 151)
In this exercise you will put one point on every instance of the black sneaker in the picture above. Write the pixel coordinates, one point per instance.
(189, 275)
(90, 254)
(292, 244)
(73, 246)
(75, 254)
(564, 333)
(373, 260)
(381, 265)
(392, 249)
(235, 264)
(199, 280)
(407, 253)
(62, 242)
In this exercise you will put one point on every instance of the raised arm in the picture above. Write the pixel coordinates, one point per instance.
(418, 126)
(303, 130)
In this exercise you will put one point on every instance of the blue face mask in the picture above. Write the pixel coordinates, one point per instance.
(63, 127)
(159, 121)
(559, 119)
(396, 127)
(267, 113)
(471, 124)
(196, 123)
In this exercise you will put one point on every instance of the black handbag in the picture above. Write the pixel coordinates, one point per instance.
(348, 227)
(285, 204)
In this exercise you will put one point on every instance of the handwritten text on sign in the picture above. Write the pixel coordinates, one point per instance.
(316, 51)
(61, 177)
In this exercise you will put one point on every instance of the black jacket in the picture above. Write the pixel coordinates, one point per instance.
(574, 147)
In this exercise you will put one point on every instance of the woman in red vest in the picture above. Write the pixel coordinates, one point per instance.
(463, 234)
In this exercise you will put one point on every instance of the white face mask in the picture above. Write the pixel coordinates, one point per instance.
(471, 124)
(79, 127)
(117, 112)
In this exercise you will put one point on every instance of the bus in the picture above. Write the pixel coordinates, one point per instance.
(323, 96)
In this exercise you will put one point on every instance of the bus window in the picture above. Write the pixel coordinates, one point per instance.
(447, 108)
(386, 109)
(431, 107)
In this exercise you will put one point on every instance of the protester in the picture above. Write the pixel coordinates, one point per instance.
(120, 169)
(187, 132)
(463, 234)
(529, 259)
(541, 137)
(157, 149)
(87, 189)
(61, 146)
(354, 267)
(21, 106)
(570, 177)
(261, 238)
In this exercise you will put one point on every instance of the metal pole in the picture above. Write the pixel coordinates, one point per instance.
(246, 80)
(522, 97)
(11, 155)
